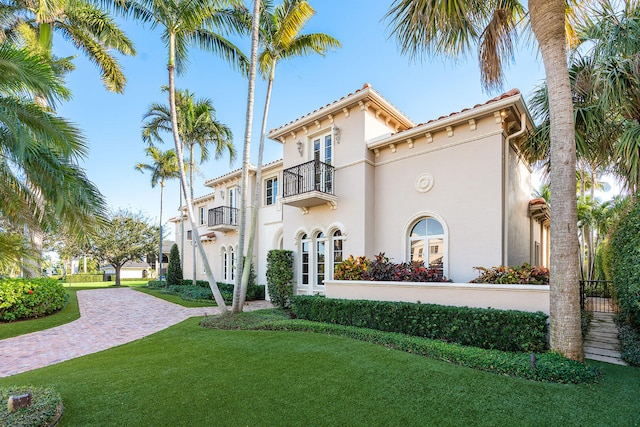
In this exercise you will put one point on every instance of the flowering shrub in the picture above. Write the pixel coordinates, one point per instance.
(381, 269)
(505, 275)
(29, 298)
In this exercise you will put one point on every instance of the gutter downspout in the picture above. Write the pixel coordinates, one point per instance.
(505, 185)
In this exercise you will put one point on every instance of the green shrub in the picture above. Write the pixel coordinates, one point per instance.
(45, 409)
(30, 298)
(550, 367)
(585, 322)
(174, 269)
(629, 345)
(202, 291)
(625, 264)
(84, 278)
(351, 268)
(280, 277)
(505, 275)
(506, 330)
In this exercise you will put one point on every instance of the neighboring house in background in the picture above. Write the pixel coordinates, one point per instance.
(359, 177)
(141, 269)
(130, 270)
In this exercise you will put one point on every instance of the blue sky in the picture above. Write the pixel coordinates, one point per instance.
(112, 123)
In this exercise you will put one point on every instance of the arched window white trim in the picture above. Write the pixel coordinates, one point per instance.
(278, 239)
(432, 241)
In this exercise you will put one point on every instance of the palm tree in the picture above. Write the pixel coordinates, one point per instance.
(89, 28)
(280, 38)
(41, 183)
(164, 166)
(612, 36)
(246, 150)
(197, 126)
(452, 28)
(185, 23)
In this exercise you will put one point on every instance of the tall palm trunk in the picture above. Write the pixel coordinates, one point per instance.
(548, 24)
(237, 290)
(195, 236)
(193, 247)
(254, 212)
(160, 252)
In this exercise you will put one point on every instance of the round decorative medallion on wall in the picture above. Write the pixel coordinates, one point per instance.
(424, 183)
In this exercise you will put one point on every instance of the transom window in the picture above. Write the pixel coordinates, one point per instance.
(271, 191)
(427, 244)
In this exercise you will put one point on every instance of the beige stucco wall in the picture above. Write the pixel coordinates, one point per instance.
(530, 298)
(466, 172)
(518, 220)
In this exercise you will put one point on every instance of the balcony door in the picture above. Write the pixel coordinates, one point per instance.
(233, 205)
(323, 152)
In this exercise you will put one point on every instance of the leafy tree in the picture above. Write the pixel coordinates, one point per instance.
(451, 28)
(174, 272)
(185, 23)
(125, 237)
(280, 38)
(164, 166)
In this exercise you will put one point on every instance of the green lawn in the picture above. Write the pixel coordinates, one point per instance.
(191, 376)
(176, 299)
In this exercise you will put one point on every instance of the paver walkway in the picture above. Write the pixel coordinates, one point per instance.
(602, 341)
(108, 318)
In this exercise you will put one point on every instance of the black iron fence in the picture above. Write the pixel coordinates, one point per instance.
(310, 176)
(222, 215)
(598, 296)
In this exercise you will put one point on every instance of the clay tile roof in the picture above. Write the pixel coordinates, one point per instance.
(209, 235)
(512, 92)
(364, 87)
(538, 201)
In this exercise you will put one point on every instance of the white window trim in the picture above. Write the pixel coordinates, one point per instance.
(406, 238)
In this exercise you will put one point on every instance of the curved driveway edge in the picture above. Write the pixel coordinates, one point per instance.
(108, 318)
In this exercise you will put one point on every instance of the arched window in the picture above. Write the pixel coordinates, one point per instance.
(304, 260)
(321, 243)
(336, 243)
(427, 244)
(224, 258)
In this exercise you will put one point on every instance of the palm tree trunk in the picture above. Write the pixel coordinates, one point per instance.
(548, 24)
(160, 251)
(237, 290)
(254, 212)
(193, 247)
(195, 236)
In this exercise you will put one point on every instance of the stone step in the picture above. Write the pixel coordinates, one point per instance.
(603, 335)
(602, 346)
(601, 342)
(602, 351)
(613, 360)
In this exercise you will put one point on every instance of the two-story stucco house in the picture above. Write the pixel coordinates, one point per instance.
(359, 177)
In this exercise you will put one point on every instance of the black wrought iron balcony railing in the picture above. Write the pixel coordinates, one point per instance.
(222, 215)
(306, 177)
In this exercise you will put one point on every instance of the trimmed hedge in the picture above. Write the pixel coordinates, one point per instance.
(629, 345)
(549, 367)
(84, 278)
(201, 290)
(506, 330)
(30, 298)
(625, 264)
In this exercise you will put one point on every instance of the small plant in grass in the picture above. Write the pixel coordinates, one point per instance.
(45, 409)
(174, 270)
(280, 277)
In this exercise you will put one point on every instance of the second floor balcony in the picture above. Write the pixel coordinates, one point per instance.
(223, 218)
(309, 184)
